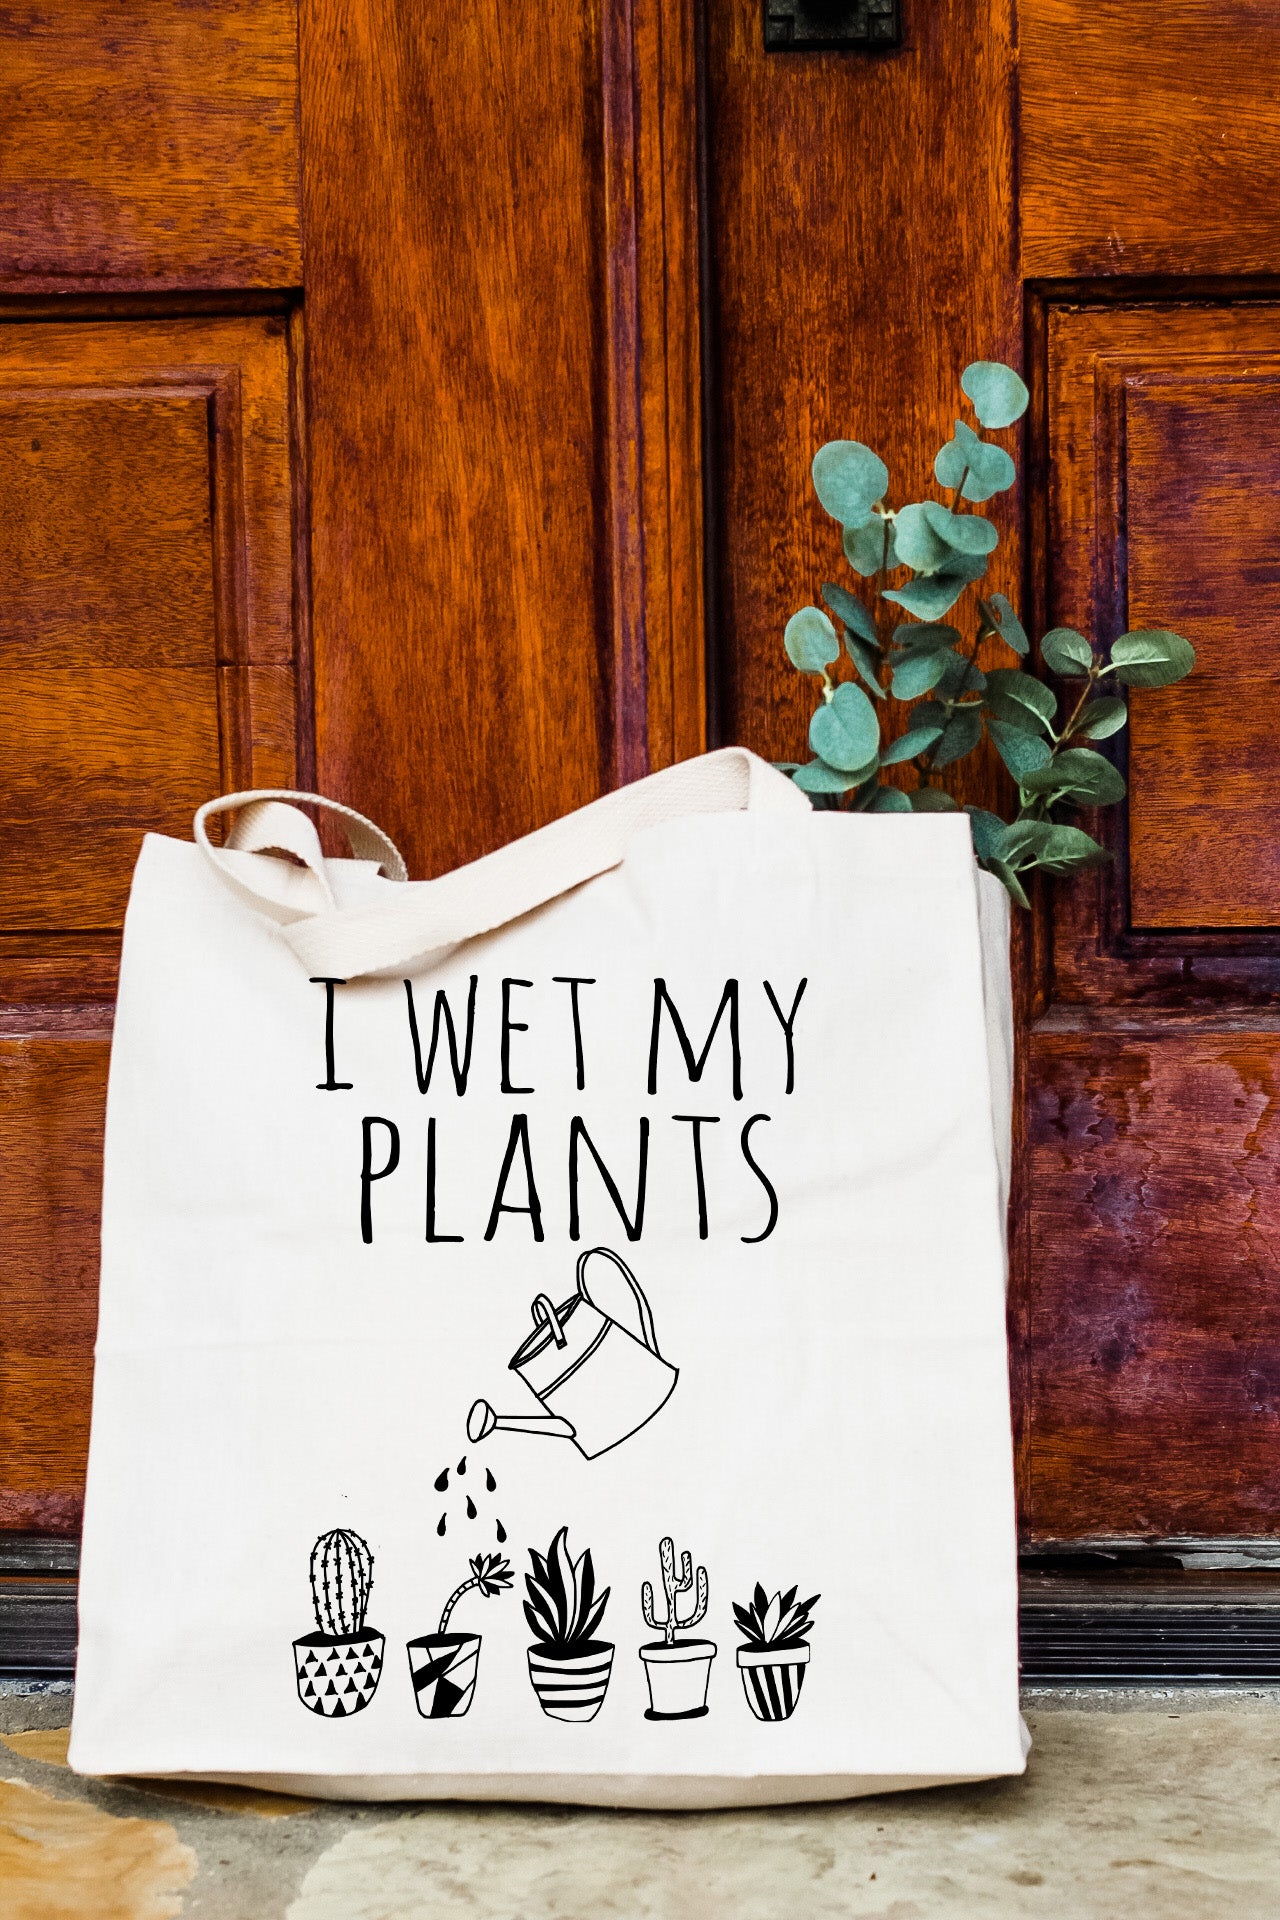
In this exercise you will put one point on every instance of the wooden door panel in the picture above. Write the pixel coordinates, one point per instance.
(149, 146)
(1151, 1300)
(1164, 452)
(53, 1086)
(147, 659)
(1149, 1305)
(840, 312)
(505, 521)
(1149, 141)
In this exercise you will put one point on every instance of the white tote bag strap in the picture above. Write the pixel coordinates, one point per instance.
(271, 821)
(403, 927)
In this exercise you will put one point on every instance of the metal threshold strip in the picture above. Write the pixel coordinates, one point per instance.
(1140, 1616)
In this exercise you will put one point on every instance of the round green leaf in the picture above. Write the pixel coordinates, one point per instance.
(989, 469)
(1007, 623)
(1068, 847)
(931, 800)
(1005, 874)
(915, 740)
(1067, 652)
(925, 636)
(1152, 657)
(889, 800)
(1100, 718)
(847, 607)
(998, 394)
(960, 736)
(865, 548)
(962, 532)
(845, 731)
(988, 832)
(1010, 684)
(960, 676)
(1081, 775)
(918, 672)
(810, 640)
(918, 544)
(817, 777)
(1022, 752)
(849, 479)
(866, 659)
(935, 594)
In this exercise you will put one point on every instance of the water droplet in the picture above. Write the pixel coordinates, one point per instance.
(443, 1523)
(490, 1482)
(441, 1481)
(471, 1508)
(502, 1533)
(462, 1465)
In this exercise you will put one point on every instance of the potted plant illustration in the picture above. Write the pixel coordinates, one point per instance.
(339, 1665)
(775, 1653)
(442, 1665)
(678, 1671)
(568, 1666)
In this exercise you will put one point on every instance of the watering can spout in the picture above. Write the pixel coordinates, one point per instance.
(482, 1421)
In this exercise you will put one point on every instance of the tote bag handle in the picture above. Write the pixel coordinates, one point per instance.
(404, 926)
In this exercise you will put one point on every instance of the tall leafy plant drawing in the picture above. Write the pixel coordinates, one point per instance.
(921, 560)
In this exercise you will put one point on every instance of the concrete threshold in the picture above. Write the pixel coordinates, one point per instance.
(1159, 1802)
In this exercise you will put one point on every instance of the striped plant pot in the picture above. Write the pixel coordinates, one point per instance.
(772, 1678)
(571, 1686)
(337, 1677)
(442, 1667)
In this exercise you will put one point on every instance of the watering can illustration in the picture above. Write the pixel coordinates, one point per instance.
(599, 1381)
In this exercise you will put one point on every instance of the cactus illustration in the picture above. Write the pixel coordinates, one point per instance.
(673, 1588)
(339, 1665)
(341, 1576)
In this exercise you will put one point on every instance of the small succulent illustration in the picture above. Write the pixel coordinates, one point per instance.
(783, 1621)
(568, 1666)
(443, 1665)
(775, 1650)
(490, 1574)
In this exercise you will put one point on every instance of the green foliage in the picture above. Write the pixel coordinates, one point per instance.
(923, 557)
(1153, 658)
(848, 479)
(810, 641)
(998, 395)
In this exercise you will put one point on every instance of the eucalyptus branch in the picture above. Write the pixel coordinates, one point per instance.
(944, 545)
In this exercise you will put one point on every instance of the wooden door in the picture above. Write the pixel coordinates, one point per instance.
(386, 394)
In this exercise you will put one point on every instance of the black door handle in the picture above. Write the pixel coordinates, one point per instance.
(809, 26)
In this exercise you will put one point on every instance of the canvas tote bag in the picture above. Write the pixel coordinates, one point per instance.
(552, 1337)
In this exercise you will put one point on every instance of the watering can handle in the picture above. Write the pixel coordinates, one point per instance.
(545, 1315)
(647, 1333)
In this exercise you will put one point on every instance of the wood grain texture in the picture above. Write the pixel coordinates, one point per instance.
(651, 183)
(52, 1096)
(1153, 1311)
(483, 494)
(146, 661)
(149, 146)
(842, 309)
(146, 651)
(1149, 140)
(1164, 458)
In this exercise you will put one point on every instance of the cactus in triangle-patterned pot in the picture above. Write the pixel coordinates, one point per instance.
(775, 1652)
(339, 1665)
